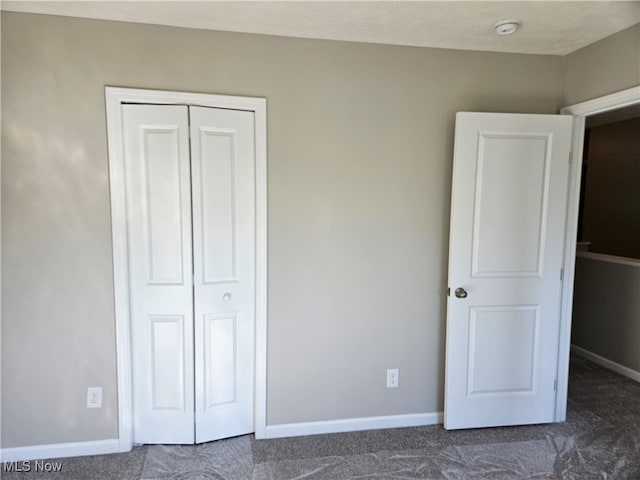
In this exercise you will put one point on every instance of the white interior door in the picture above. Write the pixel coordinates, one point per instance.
(191, 247)
(223, 167)
(509, 196)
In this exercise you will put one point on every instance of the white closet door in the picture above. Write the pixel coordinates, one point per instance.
(158, 190)
(223, 172)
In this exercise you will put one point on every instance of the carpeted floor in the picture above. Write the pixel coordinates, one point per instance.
(599, 440)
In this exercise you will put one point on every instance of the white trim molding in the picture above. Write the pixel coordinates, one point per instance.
(606, 363)
(59, 450)
(115, 97)
(603, 257)
(580, 112)
(613, 101)
(353, 424)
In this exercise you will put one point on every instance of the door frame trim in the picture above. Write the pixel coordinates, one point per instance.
(115, 97)
(580, 112)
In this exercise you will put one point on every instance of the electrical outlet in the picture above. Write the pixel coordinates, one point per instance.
(94, 397)
(392, 378)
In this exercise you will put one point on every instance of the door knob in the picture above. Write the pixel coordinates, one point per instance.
(460, 293)
(226, 297)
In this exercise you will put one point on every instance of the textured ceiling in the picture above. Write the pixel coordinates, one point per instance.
(549, 27)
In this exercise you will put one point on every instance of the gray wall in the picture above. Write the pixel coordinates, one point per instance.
(607, 305)
(360, 150)
(604, 67)
(611, 218)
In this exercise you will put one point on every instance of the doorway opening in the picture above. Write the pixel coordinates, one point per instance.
(609, 214)
(603, 170)
(606, 310)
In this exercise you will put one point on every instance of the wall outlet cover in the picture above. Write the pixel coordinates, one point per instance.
(94, 397)
(392, 378)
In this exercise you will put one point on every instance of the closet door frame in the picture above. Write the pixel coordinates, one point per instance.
(115, 97)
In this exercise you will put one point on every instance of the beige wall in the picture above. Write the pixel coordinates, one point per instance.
(607, 305)
(360, 148)
(604, 67)
(611, 218)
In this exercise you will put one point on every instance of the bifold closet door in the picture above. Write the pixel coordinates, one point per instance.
(222, 165)
(158, 182)
(191, 218)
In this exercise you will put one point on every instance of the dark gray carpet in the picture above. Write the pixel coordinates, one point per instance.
(600, 440)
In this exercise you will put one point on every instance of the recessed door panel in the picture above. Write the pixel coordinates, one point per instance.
(217, 157)
(510, 204)
(167, 363)
(221, 372)
(502, 349)
(162, 199)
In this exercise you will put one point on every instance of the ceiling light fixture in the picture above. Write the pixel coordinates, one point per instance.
(507, 27)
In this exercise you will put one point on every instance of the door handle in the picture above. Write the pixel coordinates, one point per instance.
(460, 293)
(226, 297)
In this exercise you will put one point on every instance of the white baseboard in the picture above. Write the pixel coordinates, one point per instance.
(606, 363)
(59, 450)
(352, 425)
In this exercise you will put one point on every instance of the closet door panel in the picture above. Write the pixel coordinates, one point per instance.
(158, 195)
(223, 173)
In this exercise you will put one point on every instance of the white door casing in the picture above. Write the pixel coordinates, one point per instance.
(116, 98)
(580, 112)
(222, 145)
(506, 251)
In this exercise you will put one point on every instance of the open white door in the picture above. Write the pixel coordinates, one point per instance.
(508, 211)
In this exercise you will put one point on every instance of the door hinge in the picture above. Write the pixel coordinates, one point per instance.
(561, 274)
(570, 157)
(449, 292)
(555, 384)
